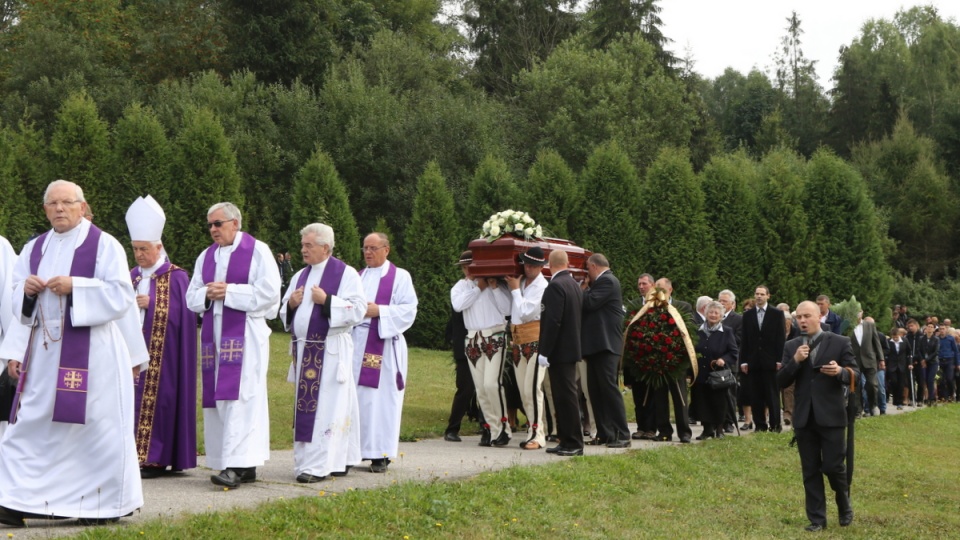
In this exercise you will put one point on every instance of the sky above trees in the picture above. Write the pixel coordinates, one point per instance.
(744, 34)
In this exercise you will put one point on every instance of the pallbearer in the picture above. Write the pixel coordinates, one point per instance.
(380, 358)
(166, 392)
(322, 304)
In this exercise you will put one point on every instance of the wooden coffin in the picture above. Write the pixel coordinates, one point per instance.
(501, 257)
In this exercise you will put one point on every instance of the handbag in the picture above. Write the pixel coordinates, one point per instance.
(721, 379)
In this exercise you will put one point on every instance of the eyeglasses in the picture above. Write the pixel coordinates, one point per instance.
(371, 249)
(55, 204)
(218, 223)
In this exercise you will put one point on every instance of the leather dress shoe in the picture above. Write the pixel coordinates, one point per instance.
(554, 449)
(11, 518)
(624, 443)
(846, 519)
(567, 452)
(93, 522)
(231, 478)
(814, 527)
(704, 436)
(152, 472)
(379, 465)
(307, 478)
(451, 437)
(340, 474)
(485, 437)
(502, 440)
(685, 439)
(637, 435)
(728, 428)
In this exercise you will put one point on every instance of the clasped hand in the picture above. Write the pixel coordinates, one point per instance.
(60, 285)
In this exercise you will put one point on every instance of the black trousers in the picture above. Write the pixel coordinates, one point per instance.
(822, 452)
(766, 395)
(644, 407)
(462, 398)
(566, 399)
(608, 409)
(678, 391)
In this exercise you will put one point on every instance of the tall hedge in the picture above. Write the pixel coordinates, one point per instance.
(26, 171)
(609, 218)
(205, 171)
(551, 193)
(431, 250)
(320, 196)
(678, 244)
(493, 189)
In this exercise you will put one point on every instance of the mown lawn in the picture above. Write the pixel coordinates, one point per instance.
(745, 487)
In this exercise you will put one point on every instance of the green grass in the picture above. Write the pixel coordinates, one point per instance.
(430, 388)
(745, 487)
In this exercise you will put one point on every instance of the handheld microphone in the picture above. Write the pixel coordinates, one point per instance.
(805, 339)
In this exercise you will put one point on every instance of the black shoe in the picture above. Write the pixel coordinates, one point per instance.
(231, 478)
(11, 518)
(704, 436)
(503, 439)
(846, 519)
(568, 452)
(340, 474)
(637, 435)
(728, 428)
(596, 441)
(379, 465)
(450, 436)
(625, 443)
(554, 449)
(685, 439)
(307, 478)
(720, 435)
(485, 437)
(152, 472)
(776, 429)
(814, 527)
(93, 522)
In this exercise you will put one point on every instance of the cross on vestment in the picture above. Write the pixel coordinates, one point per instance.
(73, 380)
(207, 357)
(232, 350)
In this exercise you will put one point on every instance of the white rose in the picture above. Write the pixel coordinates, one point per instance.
(528, 231)
(505, 214)
(518, 227)
(495, 230)
(486, 227)
(527, 219)
(499, 222)
(539, 231)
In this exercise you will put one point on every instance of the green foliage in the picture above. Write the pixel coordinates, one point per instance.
(729, 185)
(580, 97)
(205, 169)
(551, 194)
(608, 19)
(738, 105)
(801, 98)
(679, 243)
(924, 296)
(493, 189)
(319, 196)
(844, 238)
(849, 312)
(431, 248)
(24, 166)
(904, 175)
(787, 260)
(81, 149)
(610, 216)
(396, 250)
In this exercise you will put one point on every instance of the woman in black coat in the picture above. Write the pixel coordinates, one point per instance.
(716, 350)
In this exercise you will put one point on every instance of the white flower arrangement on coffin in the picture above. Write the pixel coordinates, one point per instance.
(515, 222)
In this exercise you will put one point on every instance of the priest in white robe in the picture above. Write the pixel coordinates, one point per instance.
(380, 358)
(7, 385)
(70, 450)
(323, 303)
(236, 286)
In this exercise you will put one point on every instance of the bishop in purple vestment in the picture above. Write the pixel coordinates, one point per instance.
(166, 392)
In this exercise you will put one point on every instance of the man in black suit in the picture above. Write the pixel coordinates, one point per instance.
(898, 356)
(683, 307)
(602, 342)
(823, 367)
(868, 351)
(560, 323)
(760, 353)
(643, 403)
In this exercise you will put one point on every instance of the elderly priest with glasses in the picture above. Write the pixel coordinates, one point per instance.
(236, 286)
(69, 451)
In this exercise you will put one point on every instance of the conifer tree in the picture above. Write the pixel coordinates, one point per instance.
(679, 244)
(431, 249)
(319, 196)
(205, 171)
(729, 185)
(27, 167)
(609, 218)
(493, 189)
(551, 194)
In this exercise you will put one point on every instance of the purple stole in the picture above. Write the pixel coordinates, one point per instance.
(221, 381)
(373, 351)
(308, 384)
(154, 333)
(70, 405)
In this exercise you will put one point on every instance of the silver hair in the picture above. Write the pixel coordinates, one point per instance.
(323, 232)
(714, 305)
(230, 210)
(733, 297)
(77, 190)
(703, 301)
(599, 259)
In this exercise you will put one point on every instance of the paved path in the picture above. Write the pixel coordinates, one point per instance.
(192, 492)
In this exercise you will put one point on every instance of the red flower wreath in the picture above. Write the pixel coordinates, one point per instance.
(655, 351)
